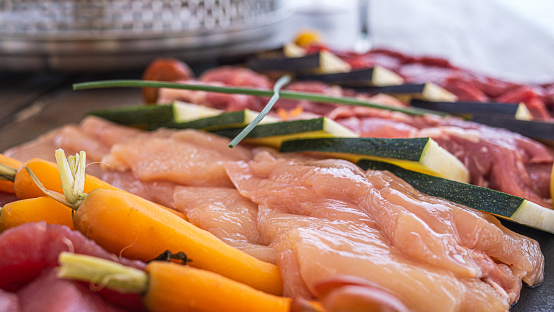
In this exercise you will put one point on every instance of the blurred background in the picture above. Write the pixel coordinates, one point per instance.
(512, 39)
(47, 45)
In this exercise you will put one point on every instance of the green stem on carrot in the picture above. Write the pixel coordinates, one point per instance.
(7, 173)
(72, 176)
(103, 273)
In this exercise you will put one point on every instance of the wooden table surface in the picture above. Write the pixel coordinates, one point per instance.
(34, 103)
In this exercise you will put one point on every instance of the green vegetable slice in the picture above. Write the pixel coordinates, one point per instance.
(498, 203)
(273, 134)
(418, 154)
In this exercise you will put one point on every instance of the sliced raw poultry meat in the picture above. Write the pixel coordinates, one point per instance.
(327, 218)
(148, 164)
(160, 192)
(93, 135)
(49, 293)
(107, 132)
(187, 157)
(30, 248)
(226, 214)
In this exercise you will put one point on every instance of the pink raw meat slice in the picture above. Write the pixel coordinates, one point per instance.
(187, 157)
(160, 192)
(460, 246)
(226, 214)
(30, 248)
(107, 132)
(73, 140)
(49, 293)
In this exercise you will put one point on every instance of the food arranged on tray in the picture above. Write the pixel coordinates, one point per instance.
(368, 174)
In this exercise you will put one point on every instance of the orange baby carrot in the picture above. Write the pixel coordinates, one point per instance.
(167, 286)
(48, 174)
(33, 210)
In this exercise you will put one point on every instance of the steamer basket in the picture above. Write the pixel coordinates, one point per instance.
(102, 35)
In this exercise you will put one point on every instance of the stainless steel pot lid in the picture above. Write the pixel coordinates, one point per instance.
(101, 34)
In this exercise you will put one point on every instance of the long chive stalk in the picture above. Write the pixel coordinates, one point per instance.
(276, 88)
(249, 91)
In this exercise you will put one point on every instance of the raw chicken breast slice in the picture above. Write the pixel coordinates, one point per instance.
(186, 157)
(226, 214)
(325, 249)
(429, 232)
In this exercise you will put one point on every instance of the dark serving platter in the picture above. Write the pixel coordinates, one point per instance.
(60, 105)
(539, 298)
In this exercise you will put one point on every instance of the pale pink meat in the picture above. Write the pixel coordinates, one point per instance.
(41, 147)
(395, 236)
(187, 157)
(73, 139)
(107, 132)
(226, 214)
(160, 192)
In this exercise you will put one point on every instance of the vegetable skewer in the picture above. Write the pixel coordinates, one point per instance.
(130, 226)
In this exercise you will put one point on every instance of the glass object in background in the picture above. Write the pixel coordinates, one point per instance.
(342, 24)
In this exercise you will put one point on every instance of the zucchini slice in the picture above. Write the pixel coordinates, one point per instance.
(320, 62)
(273, 134)
(497, 203)
(405, 92)
(470, 109)
(156, 114)
(224, 120)
(418, 154)
(374, 76)
(539, 130)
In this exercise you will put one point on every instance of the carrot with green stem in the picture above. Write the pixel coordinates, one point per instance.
(166, 286)
(34, 209)
(130, 226)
